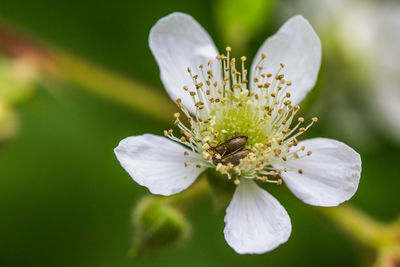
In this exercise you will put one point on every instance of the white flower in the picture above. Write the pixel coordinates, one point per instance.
(220, 104)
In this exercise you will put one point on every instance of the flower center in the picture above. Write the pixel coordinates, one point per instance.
(238, 131)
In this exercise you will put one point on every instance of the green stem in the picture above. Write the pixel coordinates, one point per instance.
(361, 227)
(56, 64)
(382, 238)
(128, 92)
(198, 190)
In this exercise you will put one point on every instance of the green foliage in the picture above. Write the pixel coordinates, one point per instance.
(239, 20)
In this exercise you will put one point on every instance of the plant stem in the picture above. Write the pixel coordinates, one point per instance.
(55, 64)
(198, 190)
(381, 237)
(128, 92)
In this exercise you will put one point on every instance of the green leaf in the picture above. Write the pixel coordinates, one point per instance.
(239, 20)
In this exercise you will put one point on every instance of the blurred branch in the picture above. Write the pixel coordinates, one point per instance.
(383, 238)
(196, 191)
(68, 68)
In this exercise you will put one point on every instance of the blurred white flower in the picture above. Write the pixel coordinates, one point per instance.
(242, 129)
(375, 29)
(368, 32)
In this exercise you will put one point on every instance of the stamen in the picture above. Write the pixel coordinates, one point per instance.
(229, 107)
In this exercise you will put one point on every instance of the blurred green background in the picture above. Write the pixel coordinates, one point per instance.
(65, 200)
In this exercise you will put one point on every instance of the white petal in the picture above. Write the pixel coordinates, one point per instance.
(330, 175)
(298, 47)
(177, 41)
(157, 163)
(255, 221)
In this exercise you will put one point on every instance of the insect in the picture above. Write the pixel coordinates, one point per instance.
(231, 151)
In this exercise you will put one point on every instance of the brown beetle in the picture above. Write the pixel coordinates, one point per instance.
(231, 151)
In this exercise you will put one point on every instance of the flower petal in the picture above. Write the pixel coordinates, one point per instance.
(157, 163)
(298, 47)
(255, 221)
(177, 42)
(331, 174)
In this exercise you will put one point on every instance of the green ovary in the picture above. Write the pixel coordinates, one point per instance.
(240, 120)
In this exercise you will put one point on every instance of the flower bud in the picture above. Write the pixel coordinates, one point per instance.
(157, 225)
(17, 78)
